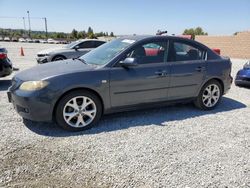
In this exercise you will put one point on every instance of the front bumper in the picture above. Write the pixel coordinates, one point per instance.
(30, 105)
(41, 60)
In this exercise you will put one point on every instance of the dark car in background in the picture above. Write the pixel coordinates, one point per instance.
(5, 64)
(72, 50)
(124, 74)
(243, 76)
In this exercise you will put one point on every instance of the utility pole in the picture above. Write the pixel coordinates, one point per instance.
(28, 12)
(46, 29)
(24, 26)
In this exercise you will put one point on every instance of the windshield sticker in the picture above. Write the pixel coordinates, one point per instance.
(128, 41)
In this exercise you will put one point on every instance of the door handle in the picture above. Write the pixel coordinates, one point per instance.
(161, 73)
(200, 69)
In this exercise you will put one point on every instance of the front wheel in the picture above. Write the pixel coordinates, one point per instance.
(58, 58)
(78, 110)
(209, 96)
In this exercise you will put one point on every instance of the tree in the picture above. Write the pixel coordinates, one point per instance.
(74, 34)
(90, 31)
(81, 35)
(92, 36)
(112, 34)
(194, 31)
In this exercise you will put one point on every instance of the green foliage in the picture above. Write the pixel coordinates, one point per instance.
(81, 35)
(92, 36)
(74, 35)
(194, 32)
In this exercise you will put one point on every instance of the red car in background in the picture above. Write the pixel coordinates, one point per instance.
(217, 50)
(5, 64)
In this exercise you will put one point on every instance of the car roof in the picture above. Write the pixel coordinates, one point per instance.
(82, 40)
(152, 37)
(142, 37)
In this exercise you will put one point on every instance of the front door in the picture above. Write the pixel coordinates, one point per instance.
(146, 82)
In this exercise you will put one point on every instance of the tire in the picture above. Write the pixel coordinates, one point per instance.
(73, 114)
(209, 100)
(58, 58)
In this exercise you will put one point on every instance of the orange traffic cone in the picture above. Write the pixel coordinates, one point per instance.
(22, 52)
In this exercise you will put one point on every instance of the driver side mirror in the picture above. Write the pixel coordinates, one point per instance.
(76, 47)
(129, 62)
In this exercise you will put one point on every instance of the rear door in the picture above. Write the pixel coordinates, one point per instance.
(188, 69)
(144, 83)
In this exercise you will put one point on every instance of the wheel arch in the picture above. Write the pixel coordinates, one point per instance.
(218, 80)
(58, 55)
(77, 89)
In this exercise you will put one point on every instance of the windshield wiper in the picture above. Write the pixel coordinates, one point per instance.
(82, 60)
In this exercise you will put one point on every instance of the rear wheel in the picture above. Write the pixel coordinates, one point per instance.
(78, 110)
(210, 95)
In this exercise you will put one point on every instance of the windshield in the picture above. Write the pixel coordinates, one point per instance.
(106, 52)
(72, 44)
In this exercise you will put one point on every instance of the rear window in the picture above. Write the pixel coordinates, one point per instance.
(98, 43)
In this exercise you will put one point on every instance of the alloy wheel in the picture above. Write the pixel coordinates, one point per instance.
(211, 95)
(79, 111)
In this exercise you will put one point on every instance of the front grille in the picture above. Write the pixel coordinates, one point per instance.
(41, 55)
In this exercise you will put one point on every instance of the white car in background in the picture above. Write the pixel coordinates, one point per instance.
(52, 41)
(43, 41)
(6, 39)
(21, 40)
(69, 51)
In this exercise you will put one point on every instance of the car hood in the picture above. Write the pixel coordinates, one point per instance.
(54, 50)
(44, 71)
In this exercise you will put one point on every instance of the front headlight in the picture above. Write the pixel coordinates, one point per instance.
(33, 85)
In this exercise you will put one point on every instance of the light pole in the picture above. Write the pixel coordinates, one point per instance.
(46, 29)
(28, 12)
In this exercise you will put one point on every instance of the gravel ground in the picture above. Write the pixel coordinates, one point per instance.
(177, 146)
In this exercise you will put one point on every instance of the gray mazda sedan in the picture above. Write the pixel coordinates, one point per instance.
(124, 74)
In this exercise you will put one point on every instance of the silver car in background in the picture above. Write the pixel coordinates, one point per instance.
(72, 50)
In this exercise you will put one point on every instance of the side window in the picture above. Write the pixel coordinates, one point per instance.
(153, 52)
(98, 43)
(185, 52)
(86, 44)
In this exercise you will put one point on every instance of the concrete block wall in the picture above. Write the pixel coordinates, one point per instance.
(236, 46)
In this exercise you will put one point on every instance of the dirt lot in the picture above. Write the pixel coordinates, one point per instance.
(178, 146)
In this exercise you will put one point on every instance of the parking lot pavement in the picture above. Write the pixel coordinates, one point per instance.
(176, 146)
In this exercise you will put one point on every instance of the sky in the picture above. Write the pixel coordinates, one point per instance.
(217, 17)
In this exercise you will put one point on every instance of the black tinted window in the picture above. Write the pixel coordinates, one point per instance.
(185, 52)
(98, 43)
(153, 52)
(87, 44)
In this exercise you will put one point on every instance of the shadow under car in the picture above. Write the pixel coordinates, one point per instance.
(125, 120)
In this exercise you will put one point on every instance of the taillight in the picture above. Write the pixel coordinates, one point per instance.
(3, 55)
